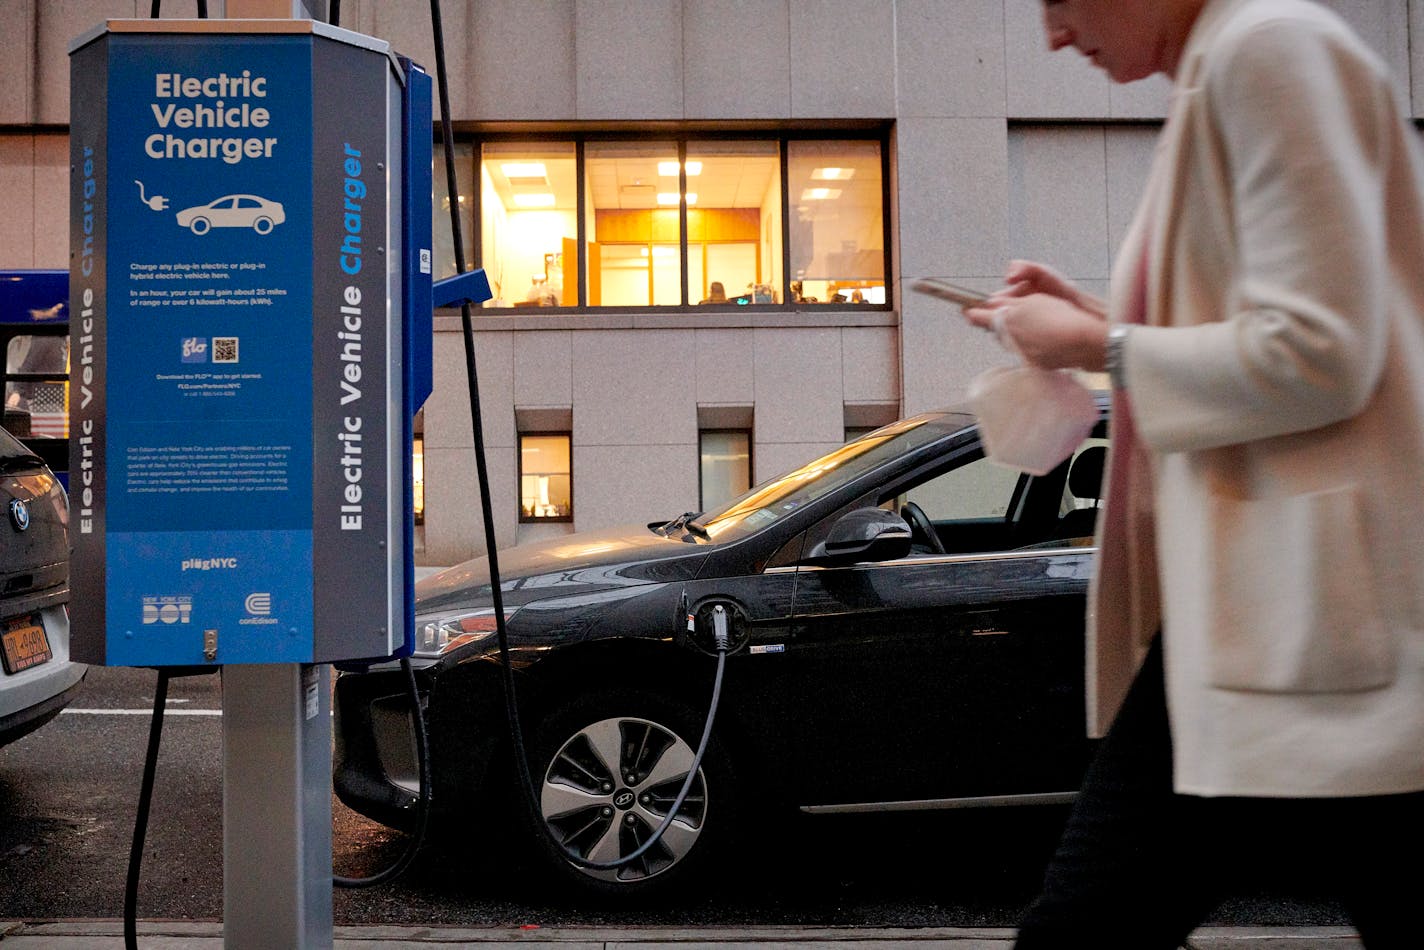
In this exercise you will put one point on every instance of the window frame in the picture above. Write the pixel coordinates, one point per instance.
(681, 136)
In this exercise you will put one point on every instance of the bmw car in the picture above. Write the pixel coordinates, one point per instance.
(37, 678)
(903, 624)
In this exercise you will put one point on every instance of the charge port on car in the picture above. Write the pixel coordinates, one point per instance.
(703, 633)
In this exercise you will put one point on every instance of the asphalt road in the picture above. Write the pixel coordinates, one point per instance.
(68, 794)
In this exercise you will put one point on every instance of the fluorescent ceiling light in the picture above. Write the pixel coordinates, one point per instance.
(669, 169)
(831, 173)
(523, 170)
(820, 194)
(545, 200)
(670, 197)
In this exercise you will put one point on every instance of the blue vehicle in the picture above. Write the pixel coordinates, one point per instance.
(34, 344)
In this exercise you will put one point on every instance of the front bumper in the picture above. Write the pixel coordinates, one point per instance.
(27, 720)
(375, 769)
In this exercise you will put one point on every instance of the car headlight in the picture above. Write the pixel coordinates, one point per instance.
(439, 634)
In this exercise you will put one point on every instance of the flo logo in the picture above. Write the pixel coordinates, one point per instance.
(167, 610)
(195, 349)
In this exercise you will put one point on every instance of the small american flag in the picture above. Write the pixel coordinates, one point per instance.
(49, 419)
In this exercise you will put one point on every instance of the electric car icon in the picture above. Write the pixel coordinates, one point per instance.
(233, 211)
(905, 619)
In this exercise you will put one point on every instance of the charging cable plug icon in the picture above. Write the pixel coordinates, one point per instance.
(157, 202)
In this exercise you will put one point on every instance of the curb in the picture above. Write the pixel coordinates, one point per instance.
(189, 935)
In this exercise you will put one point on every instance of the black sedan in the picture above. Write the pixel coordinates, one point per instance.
(904, 624)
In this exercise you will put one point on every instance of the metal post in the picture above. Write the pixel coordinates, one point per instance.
(277, 806)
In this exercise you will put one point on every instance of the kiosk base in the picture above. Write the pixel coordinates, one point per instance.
(277, 889)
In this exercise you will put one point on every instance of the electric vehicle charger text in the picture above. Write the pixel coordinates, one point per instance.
(220, 114)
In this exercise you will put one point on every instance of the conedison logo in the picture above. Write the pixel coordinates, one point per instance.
(209, 563)
(259, 605)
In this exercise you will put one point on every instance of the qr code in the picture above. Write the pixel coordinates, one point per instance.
(224, 349)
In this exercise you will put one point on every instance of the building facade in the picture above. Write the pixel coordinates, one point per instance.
(616, 386)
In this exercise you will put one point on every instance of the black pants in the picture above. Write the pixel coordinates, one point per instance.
(1140, 866)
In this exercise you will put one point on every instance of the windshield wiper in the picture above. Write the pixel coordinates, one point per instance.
(686, 522)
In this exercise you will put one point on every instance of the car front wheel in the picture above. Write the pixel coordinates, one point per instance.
(607, 770)
(200, 225)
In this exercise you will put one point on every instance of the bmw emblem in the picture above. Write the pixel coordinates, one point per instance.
(19, 514)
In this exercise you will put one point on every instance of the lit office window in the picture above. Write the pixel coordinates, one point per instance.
(734, 231)
(444, 241)
(634, 225)
(837, 223)
(545, 478)
(417, 468)
(529, 223)
(726, 465)
(599, 221)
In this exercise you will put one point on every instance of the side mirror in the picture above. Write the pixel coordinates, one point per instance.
(865, 534)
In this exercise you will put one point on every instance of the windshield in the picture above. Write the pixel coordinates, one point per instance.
(772, 500)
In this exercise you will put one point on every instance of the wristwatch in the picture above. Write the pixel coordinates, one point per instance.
(1113, 360)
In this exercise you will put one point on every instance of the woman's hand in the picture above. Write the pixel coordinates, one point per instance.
(1025, 278)
(1046, 330)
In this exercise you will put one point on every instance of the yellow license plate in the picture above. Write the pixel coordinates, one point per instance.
(25, 644)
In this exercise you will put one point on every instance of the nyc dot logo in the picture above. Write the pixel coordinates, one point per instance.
(195, 349)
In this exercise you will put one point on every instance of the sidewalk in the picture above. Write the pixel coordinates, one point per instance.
(183, 935)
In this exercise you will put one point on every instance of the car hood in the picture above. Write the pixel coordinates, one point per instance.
(558, 567)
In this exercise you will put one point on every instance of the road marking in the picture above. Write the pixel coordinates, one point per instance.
(140, 712)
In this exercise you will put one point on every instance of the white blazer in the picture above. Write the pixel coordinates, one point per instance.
(1278, 396)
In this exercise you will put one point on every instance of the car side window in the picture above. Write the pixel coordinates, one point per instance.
(978, 491)
(981, 507)
(974, 507)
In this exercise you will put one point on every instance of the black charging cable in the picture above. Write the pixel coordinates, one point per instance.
(145, 799)
(487, 513)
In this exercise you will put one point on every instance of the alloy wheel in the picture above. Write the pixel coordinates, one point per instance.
(610, 786)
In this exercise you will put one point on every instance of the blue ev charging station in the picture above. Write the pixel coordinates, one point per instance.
(251, 304)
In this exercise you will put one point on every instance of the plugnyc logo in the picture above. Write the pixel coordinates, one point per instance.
(195, 349)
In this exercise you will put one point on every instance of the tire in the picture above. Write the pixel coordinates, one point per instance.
(200, 226)
(590, 805)
(263, 225)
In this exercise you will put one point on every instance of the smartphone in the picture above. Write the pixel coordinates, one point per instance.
(944, 290)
